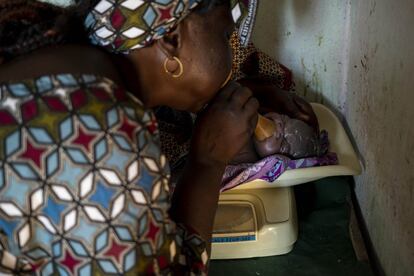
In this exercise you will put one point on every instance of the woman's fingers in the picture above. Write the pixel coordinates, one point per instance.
(253, 122)
(227, 92)
(235, 94)
(251, 108)
(241, 97)
(252, 105)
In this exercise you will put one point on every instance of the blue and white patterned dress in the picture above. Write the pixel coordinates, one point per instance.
(83, 184)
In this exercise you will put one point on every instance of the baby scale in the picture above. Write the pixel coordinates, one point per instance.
(258, 218)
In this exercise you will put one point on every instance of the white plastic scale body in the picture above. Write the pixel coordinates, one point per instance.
(258, 219)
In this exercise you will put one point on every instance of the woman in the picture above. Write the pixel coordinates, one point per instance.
(83, 184)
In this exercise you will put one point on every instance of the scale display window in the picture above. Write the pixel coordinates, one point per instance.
(234, 222)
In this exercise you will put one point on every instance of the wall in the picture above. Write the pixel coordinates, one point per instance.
(310, 38)
(380, 113)
(367, 50)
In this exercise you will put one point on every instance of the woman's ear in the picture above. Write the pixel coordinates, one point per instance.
(171, 43)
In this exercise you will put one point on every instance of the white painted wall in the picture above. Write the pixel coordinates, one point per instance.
(309, 36)
(367, 47)
(380, 112)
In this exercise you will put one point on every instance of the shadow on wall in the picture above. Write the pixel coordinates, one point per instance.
(306, 36)
(277, 21)
(272, 13)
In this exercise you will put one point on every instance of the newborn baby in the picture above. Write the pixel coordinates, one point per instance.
(292, 138)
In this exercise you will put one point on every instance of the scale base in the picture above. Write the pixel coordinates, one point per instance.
(255, 223)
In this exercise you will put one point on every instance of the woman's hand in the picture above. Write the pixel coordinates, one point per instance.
(273, 99)
(225, 126)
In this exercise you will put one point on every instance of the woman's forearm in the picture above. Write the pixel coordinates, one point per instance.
(195, 198)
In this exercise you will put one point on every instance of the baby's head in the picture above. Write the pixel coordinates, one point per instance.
(292, 138)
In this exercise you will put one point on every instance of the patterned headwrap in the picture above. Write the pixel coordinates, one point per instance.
(125, 25)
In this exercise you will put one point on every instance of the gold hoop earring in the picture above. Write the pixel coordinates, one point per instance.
(180, 67)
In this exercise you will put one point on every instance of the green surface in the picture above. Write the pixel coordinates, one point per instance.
(323, 247)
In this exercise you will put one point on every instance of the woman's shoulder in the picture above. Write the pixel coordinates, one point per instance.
(75, 59)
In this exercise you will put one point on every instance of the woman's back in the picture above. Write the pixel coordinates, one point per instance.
(83, 184)
(60, 59)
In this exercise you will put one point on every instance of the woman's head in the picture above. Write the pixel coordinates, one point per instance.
(200, 43)
(179, 49)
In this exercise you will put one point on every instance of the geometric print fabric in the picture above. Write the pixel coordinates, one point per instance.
(83, 184)
(124, 25)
